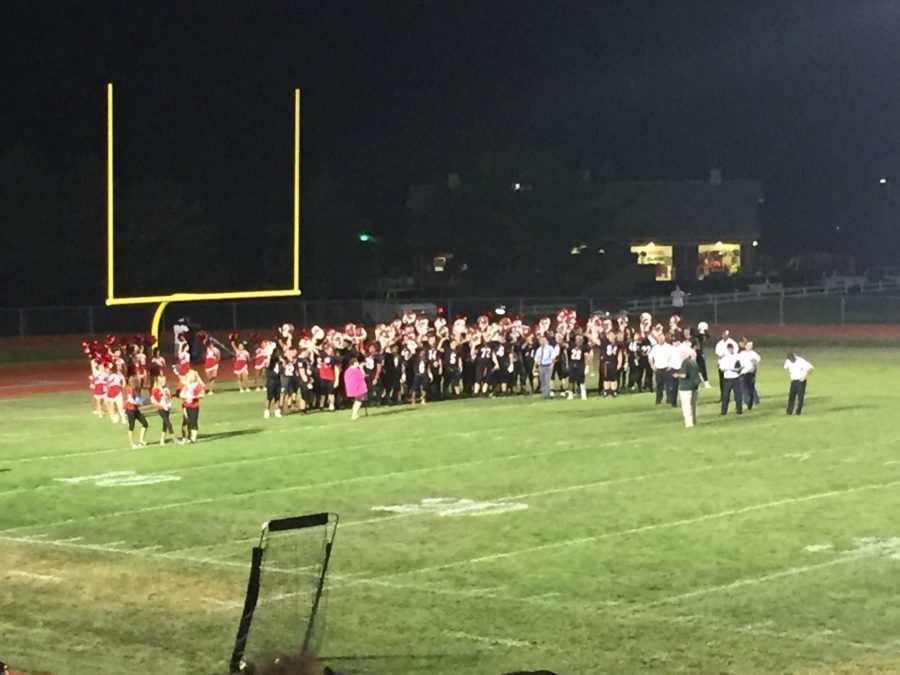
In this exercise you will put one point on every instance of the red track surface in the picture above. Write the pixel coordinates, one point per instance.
(46, 378)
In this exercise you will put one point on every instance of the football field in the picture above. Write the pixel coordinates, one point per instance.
(476, 536)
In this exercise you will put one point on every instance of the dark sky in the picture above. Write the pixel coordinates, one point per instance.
(804, 95)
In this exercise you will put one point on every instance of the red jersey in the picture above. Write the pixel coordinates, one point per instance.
(140, 364)
(161, 398)
(191, 395)
(130, 401)
(114, 384)
(325, 365)
(98, 384)
(259, 358)
(212, 358)
(241, 358)
(184, 363)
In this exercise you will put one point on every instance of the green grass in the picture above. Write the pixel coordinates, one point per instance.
(645, 547)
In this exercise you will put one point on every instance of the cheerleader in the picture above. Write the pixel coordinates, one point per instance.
(259, 365)
(241, 366)
(115, 382)
(139, 362)
(162, 399)
(157, 365)
(184, 356)
(211, 360)
(191, 392)
(134, 414)
(98, 391)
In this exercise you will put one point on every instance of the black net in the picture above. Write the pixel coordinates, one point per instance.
(284, 611)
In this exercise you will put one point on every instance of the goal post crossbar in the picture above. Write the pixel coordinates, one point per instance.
(163, 299)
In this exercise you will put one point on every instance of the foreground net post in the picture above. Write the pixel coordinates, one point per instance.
(285, 589)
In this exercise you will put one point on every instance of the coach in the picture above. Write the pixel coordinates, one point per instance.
(544, 359)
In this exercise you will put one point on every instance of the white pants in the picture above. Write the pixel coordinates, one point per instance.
(689, 406)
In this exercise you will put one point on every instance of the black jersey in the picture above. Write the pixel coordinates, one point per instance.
(577, 356)
(485, 352)
(452, 359)
(609, 351)
(371, 363)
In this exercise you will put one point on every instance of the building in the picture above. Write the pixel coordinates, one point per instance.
(687, 229)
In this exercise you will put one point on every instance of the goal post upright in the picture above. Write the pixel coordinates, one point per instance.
(163, 300)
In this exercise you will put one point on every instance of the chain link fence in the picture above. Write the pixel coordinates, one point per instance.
(880, 308)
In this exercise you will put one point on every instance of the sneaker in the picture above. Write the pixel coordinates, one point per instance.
(134, 446)
(277, 412)
(183, 441)
(259, 389)
(706, 385)
(331, 408)
(266, 413)
(162, 442)
(141, 444)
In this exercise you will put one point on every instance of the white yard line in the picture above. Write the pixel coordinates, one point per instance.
(578, 447)
(33, 575)
(751, 581)
(517, 497)
(645, 528)
(490, 641)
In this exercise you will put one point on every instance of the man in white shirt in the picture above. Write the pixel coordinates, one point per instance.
(798, 369)
(730, 367)
(721, 350)
(749, 363)
(661, 357)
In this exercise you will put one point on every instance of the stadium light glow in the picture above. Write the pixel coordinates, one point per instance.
(365, 237)
(164, 299)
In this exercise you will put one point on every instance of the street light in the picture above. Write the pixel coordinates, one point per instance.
(883, 181)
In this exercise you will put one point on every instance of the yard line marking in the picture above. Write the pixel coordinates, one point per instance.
(227, 604)
(646, 528)
(892, 462)
(493, 642)
(145, 549)
(70, 540)
(33, 575)
(526, 495)
(308, 486)
(751, 581)
(113, 544)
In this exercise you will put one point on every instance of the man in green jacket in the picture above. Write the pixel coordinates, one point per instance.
(689, 381)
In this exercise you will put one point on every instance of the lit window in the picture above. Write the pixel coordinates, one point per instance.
(440, 263)
(718, 258)
(658, 256)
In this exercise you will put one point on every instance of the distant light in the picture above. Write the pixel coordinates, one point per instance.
(651, 245)
(365, 237)
(575, 250)
(837, 228)
(517, 186)
(882, 180)
(500, 311)
(440, 310)
(601, 250)
(755, 243)
(719, 244)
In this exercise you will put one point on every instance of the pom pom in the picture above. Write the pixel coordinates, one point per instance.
(232, 336)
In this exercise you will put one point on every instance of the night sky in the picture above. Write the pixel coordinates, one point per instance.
(804, 95)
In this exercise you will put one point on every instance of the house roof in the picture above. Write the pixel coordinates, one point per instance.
(686, 211)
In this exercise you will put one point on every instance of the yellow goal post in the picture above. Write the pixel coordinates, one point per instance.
(163, 300)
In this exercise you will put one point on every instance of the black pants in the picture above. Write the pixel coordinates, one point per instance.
(193, 417)
(748, 389)
(648, 374)
(665, 387)
(731, 386)
(166, 422)
(721, 385)
(701, 364)
(133, 414)
(796, 395)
